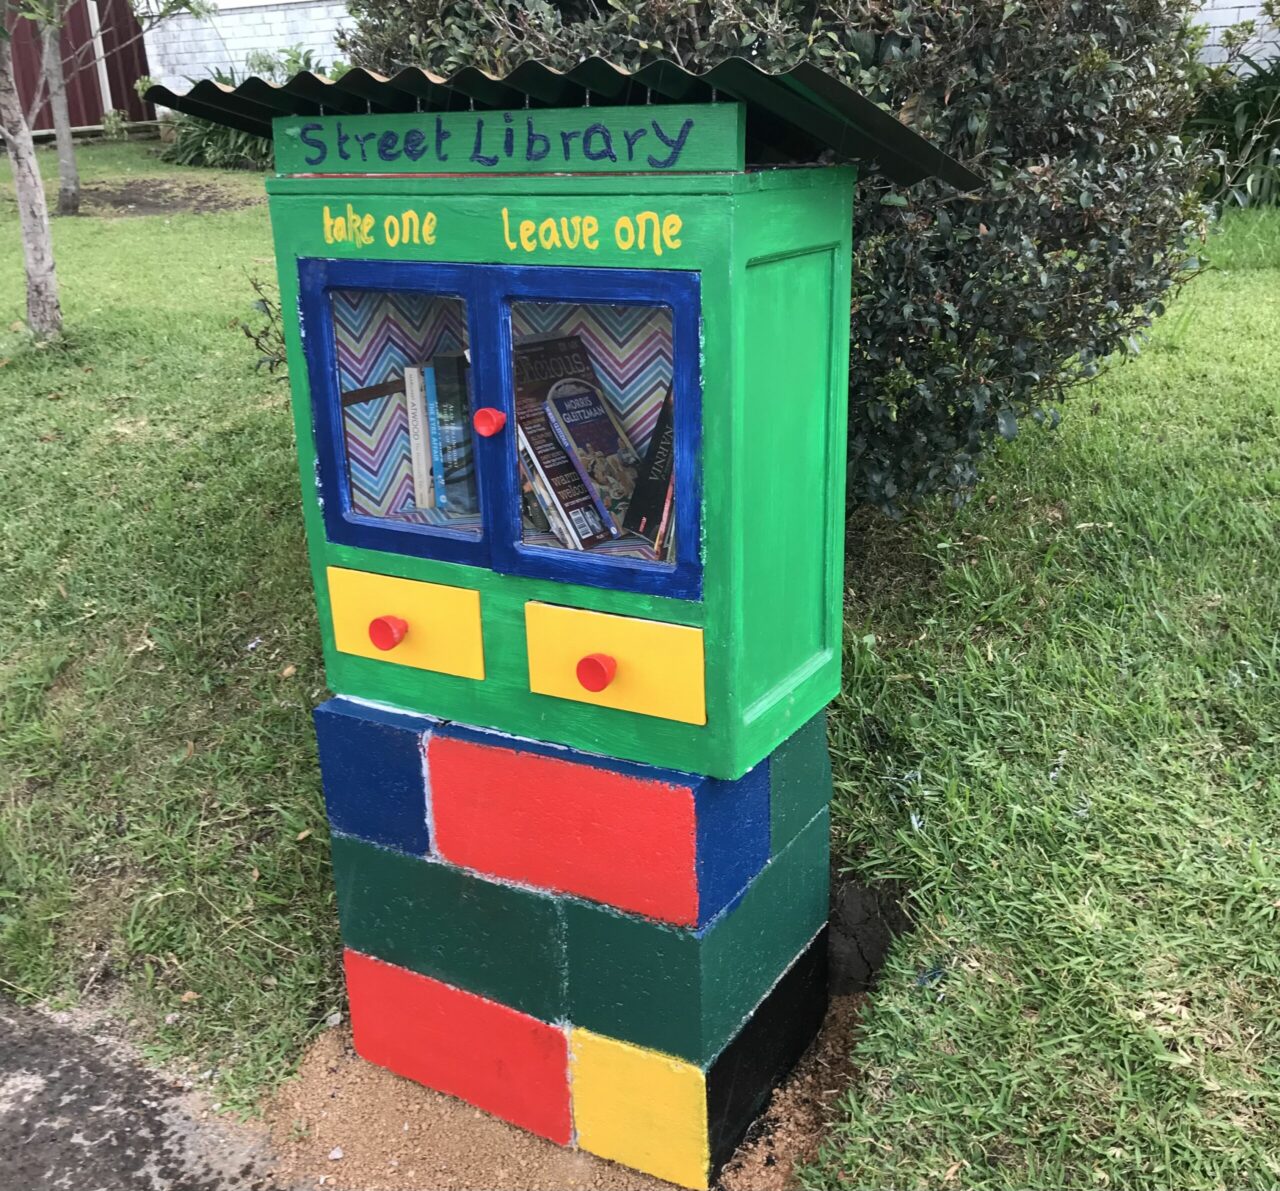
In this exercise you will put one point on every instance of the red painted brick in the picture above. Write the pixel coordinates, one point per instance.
(566, 826)
(505, 1062)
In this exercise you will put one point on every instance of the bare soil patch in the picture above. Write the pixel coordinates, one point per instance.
(347, 1125)
(161, 196)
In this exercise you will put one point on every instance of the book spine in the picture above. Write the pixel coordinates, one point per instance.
(565, 439)
(420, 439)
(662, 540)
(543, 489)
(441, 497)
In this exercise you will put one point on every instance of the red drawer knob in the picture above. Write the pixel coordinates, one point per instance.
(596, 671)
(386, 632)
(488, 421)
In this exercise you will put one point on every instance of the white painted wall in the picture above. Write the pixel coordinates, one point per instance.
(186, 48)
(1222, 14)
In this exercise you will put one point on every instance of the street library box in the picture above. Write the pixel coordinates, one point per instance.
(569, 361)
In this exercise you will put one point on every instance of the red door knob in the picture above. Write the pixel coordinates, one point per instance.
(596, 671)
(488, 421)
(386, 632)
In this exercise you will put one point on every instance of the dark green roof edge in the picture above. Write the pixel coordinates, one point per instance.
(795, 116)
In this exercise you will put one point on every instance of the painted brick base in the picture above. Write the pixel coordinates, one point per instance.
(648, 1110)
(609, 955)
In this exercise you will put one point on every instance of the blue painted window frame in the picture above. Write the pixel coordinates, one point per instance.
(488, 292)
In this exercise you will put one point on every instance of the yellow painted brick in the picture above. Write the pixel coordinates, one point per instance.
(641, 1108)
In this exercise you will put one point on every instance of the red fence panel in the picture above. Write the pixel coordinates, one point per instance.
(100, 70)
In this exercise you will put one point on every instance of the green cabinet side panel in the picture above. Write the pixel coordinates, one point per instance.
(790, 321)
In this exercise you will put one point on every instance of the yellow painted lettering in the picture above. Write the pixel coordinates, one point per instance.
(624, 233)
(655, 235)
(506, 230)
(328, 227)
(391, 230)
(590, 232)
(571, 230)
(429, 228)
(671, 226)
(366, 229)
(527, 240)
(410, 229)
(548, 237)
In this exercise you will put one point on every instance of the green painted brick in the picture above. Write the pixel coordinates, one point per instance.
(799, 781)
(684, 992)
(495, 940)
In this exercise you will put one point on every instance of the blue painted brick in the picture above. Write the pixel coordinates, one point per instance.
(372, 768)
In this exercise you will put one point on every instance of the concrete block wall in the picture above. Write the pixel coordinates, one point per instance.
(187, 48)
(1222, 14)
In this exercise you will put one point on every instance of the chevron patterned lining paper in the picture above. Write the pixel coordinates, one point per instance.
(377, 334)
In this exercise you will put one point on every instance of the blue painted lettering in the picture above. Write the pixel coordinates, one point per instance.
(476, 155)
(676, 146)
(604, 150)
(321, 149)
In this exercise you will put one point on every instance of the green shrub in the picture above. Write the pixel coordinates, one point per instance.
(971, 314)
(197, 142)
(1239, 113)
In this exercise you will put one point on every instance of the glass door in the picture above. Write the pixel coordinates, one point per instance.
(541, 421)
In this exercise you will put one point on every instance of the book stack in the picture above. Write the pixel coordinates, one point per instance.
(582, 477)
(441, 459)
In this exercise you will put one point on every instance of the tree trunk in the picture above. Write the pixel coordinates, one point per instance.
(55, 82)
(44, 315)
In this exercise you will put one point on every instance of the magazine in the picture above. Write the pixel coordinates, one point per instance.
(584, 422)
(553, 474)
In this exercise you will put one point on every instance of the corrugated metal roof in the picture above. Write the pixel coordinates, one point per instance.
(796, 116)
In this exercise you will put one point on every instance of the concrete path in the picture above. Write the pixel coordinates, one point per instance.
(77, 1113)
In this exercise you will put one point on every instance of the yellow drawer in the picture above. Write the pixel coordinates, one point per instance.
(438, 627)
(616, 661)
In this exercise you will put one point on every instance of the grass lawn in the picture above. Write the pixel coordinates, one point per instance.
(1059, 732)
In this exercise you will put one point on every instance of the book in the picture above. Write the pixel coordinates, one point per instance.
(650, 509)
(417, 383)
(453, 454)
(570, 508)
(584, 422)
(546, 516)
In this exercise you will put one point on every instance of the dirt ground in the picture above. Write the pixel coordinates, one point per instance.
(160, 196)
(347, 1125)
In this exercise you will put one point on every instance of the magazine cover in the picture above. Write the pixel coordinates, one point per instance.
(584, 423)
(538, 366)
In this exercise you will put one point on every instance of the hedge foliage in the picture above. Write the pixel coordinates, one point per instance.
(971, 314)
